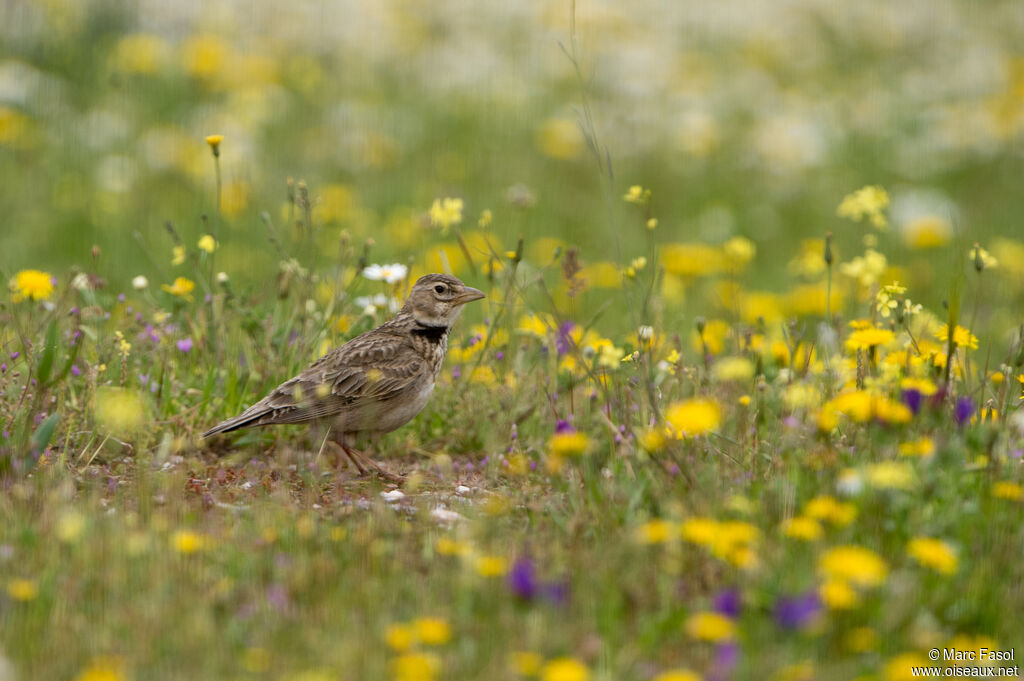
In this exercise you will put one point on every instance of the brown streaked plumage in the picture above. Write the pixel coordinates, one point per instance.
(374, 383)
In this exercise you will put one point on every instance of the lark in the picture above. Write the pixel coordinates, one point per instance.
(374, 383)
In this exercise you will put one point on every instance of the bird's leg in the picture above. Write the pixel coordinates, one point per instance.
(362, 462)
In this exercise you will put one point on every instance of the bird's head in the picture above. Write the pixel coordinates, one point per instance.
(437, 299)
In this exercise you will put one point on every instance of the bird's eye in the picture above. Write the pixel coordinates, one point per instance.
(439, 288)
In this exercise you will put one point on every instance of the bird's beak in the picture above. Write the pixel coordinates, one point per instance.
(468, 295)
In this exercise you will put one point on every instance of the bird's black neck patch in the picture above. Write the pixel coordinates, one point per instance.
(434, 334)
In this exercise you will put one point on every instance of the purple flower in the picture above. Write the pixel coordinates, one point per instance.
(563, 341)
(75, 371)
(522, 579)
(728, 602)
(726, 657)
(120, 297)
(798, 611)
(499, 355)
(456, 372)
(563, 426)
(964, 410)
(185, 344)
(912, 398)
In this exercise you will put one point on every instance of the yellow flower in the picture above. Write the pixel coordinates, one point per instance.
(733, 369)
(803, 528)
(837, 594)
(103, 669)
(700, 531)
(451, 547)
(70, 527)
(188, 542)
(905, 667)
(491, 566)
(864, 339)
(206, 243)
(445, 213)
(656, 531)
(923, 447)
(739, 251)
(433, 631)
(677, 675)
(710, 626)
(637, 195)
(962, 337)
(691, 259)
(568, 443)
(214, 142)
(933, 553)
(416, 667)
(829, 509)
(1005, 489)
(868, 202)
(979, 255)
(694, 417)
(486, 217)
(927, 231)
(890, 475)
(22, 589)
(119, 411)
(560, 138)
(855, 564)
(177, 255)
(860, 639)
(924, 386)
(652, 439)
(181, 287)
(399, 637)
(31, 285)
(564, 669)
(525, 663)
(865, 269)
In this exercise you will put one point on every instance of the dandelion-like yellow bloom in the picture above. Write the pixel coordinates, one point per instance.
(450, 547)
(177, 255)
(933, 553)
(890, 475)
(433, 631)
(733, 369)
(187, 542)
(831, 510)
(23, 590)
(637, 195)
(119, 411)
(962, 337)
(864, 339)
(181, 287)
(569, 443)
(564, 669)
(739, 251)
(702, 531)
(677, 675)
(803, 528)
(445, 213)
(837, 594)
(691, 259)
(855, 564)
(710, 626)
(867, 268)
(416, 667)
(869, 202)
(905, 667)
(207, 243)
(103, 669)
(399, 637)
(923, 447)
(652, 439)
(657, 531)
(491, 566)
(31, 285)
(560, 138)
(1005, 489)
(525, 663)
(694, 417)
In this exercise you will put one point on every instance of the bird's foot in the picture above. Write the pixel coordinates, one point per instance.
(363, 464)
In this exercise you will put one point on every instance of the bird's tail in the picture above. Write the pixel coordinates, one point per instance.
(241, 421)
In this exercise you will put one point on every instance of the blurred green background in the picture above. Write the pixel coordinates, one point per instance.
(743, 117)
